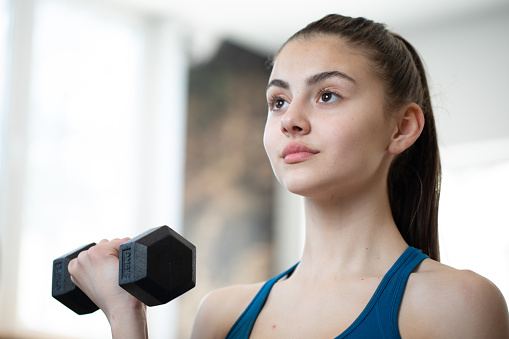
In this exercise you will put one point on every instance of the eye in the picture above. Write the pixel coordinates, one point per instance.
(328, 96)
(277, 103)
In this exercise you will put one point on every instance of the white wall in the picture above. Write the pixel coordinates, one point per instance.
(468, 66)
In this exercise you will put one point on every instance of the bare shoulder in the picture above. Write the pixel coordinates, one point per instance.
(443, 302)
(219, 310)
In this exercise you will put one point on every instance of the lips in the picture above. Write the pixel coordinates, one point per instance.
(297, 152)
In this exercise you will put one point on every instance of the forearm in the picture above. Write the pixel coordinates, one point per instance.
(130, 324)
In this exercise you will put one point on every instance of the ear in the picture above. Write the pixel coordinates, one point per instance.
(409, 125)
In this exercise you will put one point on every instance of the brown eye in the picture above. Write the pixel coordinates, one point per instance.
(279, 103)
(326, 97)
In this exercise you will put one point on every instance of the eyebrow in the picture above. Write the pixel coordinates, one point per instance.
(278, 83)
(314, 79)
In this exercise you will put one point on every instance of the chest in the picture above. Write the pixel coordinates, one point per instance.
(314, 312)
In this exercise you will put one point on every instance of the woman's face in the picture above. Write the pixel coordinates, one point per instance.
(326, 132)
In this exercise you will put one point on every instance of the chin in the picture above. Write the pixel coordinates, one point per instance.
(306, 183)
(305, 188)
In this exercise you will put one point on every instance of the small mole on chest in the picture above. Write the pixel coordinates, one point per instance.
(273, 327)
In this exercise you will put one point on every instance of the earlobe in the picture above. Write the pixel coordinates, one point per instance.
(408, 128)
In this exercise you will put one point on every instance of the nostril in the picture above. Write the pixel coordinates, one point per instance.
(295, 122)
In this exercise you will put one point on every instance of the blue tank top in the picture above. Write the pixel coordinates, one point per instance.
(379, 319)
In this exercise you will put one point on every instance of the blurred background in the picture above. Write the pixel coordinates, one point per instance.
(121, 115)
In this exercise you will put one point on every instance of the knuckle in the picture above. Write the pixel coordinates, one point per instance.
(82, 256)
(94, 251)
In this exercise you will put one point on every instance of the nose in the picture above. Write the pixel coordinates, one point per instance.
(295, 121)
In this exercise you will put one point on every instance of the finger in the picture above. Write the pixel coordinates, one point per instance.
(72, 265)
(82, 256)
(114, 242)
(115, 245)
(117, 242)
(73, 280)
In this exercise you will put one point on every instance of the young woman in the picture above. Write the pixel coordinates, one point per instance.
(350, 128)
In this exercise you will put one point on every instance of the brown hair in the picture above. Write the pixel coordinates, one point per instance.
(414, 176)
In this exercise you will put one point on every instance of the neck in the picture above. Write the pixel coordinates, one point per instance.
(350, 237)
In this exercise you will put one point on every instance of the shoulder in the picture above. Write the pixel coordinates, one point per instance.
(443, 302)
(219, 310)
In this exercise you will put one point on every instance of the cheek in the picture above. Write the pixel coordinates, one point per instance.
(342, 134)
(266, 141)
(269, 141)
(269, 135)
(356, 140)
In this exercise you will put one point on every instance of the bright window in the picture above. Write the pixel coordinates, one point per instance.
(82, 149)
(4, 48)
(474, 225)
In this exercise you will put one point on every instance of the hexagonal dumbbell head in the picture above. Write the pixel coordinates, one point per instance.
(64, 290)
(157, 266)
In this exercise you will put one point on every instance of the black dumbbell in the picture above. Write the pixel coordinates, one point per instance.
(155, 267)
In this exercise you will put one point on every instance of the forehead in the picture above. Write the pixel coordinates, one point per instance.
(302, 58)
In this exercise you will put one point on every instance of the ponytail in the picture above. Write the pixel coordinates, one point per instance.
(415, 177)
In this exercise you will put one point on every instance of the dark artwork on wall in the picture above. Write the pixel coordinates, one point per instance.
(228, 184)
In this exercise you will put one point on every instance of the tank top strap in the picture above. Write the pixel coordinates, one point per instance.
(379, 319)
(244, 324)
(414, 258)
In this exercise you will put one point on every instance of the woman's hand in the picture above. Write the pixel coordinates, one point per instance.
(95, 272)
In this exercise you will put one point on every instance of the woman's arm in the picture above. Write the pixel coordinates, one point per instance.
(442, 302)
(478, 309)
(220, 309)
(95, 272)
